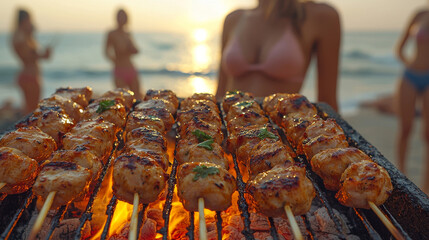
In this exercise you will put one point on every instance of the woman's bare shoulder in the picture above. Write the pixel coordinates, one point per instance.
(234, 16)
(320, 11)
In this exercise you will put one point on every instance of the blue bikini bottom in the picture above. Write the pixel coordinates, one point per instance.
(420, 80)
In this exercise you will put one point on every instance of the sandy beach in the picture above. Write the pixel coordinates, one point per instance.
(381, 130)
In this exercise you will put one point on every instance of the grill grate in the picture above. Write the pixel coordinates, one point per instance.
(412, 213)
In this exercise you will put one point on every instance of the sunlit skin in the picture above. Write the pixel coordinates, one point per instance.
(119, 49)
(25, 47)
(259, 30)
(408, 95)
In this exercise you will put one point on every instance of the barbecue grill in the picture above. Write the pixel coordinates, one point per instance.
(407, 207)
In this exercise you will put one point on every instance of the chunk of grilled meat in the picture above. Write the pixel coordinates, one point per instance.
(191, 152)
(267, 154)
(295, 128)
(331, 163)
(125, 96)
(315, 145)
(163, 94)
(83, 158)
(209, 181)
(17, 170)
(138, 119)
(280, 186)
(320, 127)
(295, 103)
(79, 95)
(249, 118)
(135, 174)
(54, 122)
(203, 113)
(252, 134)
(203, 96)
(110, 110)
(233, 97)
(270, 103)
(362, 182)
(243, 107)
(146, 136)
(152, 151)
(190, 103)
(69, 180)
(31, 141)
(153, 111)
(156, 103)
(190, 130)
(97, 128)
(73, 109)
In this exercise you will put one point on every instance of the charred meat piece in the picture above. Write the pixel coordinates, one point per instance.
(125, 96)
(203, 96)
(295, 103)
(331, 163)
(163, 94)
(273, 189)
(313, 146)
(252, 134)
(203, 113)
(54, 122)
(196, 152)
(146, 136)
(110, 110)
(249, 118)
(135, 174)
(267, 154)
(209, 181)
(233, 97)
(69, 180)
(190, 103)
(270, 103)
(138, 119)
(197, 128)
(17, 170)
(31, 141)
(148, 151)
(362, 182)
(80, 96)
(243, 107)
(152, 110)
(73, 109)
(156, 103)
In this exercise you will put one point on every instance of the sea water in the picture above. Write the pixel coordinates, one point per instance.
(368, 67)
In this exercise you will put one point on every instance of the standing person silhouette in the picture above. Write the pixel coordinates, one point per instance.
(413, 86)
(267, 49)
(119, 48)
(25, 47)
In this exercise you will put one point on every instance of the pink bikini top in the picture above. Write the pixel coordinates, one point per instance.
(285, 61)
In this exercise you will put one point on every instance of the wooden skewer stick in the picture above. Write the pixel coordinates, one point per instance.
(42, 215)
(134, 218)
(2, 184)
(295, 229)
(203, 227)
(386, 221)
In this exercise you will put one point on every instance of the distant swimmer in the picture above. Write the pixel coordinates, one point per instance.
(119, 49)
(26, 48)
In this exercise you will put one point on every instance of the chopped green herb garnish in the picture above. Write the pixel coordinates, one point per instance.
(232, 92)
(105, 105)
(244, 104)
(264, 133)
(201, 136)
(206, 144)
(203, 171)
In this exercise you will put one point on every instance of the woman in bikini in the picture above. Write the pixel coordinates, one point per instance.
(269, 48)
(413, 86)
(119, 49)
(26, 48)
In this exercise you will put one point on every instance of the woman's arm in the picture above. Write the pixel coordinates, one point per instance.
(108, 47)
(327, 51)
(230, 21)
(404, 37)
(133, 48)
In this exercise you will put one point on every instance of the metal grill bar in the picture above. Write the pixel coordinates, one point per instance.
(191, 227)
(273, 230)
(56, 220)
(109, 211)
(368, 226)
(219, 225)
(394, 222)
(310, 232)
(6, 233)
(169, 199)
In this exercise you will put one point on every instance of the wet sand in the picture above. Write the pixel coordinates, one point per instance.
(381, 130)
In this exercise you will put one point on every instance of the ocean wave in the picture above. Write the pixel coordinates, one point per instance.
(8, 73)
(360, 55)
(370, 72)
(357, 54)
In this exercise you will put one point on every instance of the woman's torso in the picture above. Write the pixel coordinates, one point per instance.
(123, 47)
(264, 57)
(420, 32)
(25, 47)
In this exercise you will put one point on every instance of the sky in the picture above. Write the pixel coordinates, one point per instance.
(185, 15)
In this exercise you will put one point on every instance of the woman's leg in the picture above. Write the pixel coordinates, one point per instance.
(425, 121)
(406, 101)
(30, 86)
